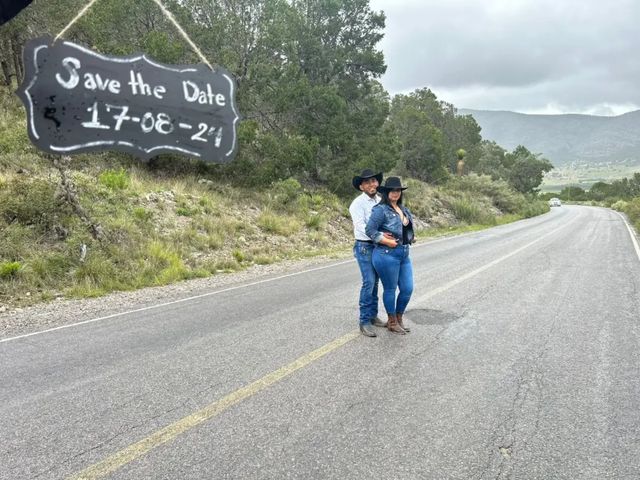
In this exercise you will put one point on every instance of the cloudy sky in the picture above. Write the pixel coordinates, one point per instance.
(530, 56)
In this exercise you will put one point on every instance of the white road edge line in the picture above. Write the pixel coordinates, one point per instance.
(631, 234)
(182, 300)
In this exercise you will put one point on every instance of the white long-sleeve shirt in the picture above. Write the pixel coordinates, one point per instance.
(360, 210)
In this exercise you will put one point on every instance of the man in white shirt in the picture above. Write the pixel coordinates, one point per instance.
(360, 209)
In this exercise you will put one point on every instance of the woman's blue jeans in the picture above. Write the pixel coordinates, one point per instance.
(369, 290)
(395, 270)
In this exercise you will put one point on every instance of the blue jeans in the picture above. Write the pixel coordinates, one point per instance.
(396, 272)
(369, 290)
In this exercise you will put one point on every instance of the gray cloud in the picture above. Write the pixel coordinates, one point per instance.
(524, 55)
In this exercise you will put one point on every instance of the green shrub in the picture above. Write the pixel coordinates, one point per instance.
(314, 221)
(320, 200)
(164, 264)
(632, 209)
(9, 269)
(280, 225)
(50, 267)
(620, 205)
(419, 197)
(467, 210)
(286, 191)
(186, 211)
(141, 213)
(534, 208)
(502, 196)
(17, 240)
(264, 260)
(98, 271)
(115, 179)
(13, 137)
(185, 208)
(271, 157)
(215, 241)
(223, 266)
(207, 205)
(222, 226)
(320, 239)
(31, 202)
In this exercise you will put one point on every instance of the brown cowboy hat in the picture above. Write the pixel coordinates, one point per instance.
(392, 183)
(366, 173)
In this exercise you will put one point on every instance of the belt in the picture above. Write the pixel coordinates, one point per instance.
(380, 245)
(364, 241)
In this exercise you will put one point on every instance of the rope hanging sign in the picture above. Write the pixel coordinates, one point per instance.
(78, 100)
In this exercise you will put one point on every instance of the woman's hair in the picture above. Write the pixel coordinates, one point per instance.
(385, 197)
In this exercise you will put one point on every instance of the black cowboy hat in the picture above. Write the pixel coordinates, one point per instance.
(392, 183)
(366, 173)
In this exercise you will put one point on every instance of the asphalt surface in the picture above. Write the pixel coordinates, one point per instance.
(523, 363)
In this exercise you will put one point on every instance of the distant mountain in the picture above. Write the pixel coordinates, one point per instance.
(565, 139)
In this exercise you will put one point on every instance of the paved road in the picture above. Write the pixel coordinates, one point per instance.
(523, 363)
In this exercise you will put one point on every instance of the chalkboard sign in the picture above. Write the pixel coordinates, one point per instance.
(78, 100)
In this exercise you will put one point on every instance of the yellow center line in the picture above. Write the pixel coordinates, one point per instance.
(170, 432)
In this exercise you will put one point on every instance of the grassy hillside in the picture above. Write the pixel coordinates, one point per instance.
(91, 224)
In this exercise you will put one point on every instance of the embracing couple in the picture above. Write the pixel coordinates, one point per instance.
(383, 229)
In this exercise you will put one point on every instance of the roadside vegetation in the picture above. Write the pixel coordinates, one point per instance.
(173, 219)
(314, 115)
(622, 195)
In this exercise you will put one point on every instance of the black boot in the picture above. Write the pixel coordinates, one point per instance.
(367, 330)
(378, 322)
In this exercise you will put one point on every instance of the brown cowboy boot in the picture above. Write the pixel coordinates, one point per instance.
(392, 325)
(402, 325)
